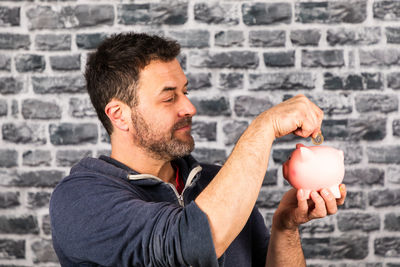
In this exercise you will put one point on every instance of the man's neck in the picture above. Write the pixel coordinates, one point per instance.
(140, 161)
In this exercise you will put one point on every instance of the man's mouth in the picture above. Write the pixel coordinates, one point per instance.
(184, 124)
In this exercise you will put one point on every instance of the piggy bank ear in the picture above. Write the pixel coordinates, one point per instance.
(306, 154)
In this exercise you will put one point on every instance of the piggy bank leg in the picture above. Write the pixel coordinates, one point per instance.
(335, 191)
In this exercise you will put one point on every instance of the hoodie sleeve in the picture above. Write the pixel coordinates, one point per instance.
(95, 220)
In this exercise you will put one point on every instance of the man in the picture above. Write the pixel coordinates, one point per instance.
(150, 203)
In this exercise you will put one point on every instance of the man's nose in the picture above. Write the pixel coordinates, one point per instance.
(187, 109)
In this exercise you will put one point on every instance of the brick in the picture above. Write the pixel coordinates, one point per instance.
(353, 81)
(73, 133)
(376, 103)
(233, 130)
(231, 81)
(330, 12)
(5, 63)
(231, 59)
(392, 35)
(281, 155)
(386, 10)
(279, 59)
(9, 16)
(199, 81)
(81, 108)
(266, 13)
(53, 42)
(380, 57)
(38, 199)
(216, 106)
(393, 174)
(269, 199)
(3, 107)
(249, 106)
(170, 13)
(46, 226)
(345, 247)
(182, 58)
(66, 63)
(12, 249)
(353, 153)
(47, 17)
(104, 137)
(358, 36)
(35, 158)
(57, 85)
(216, 13)
(270, 178)
(355, 200)
(281, 81)
(19, 225)
(204, 131)
(14, 108)
(317, 226)
(393, 79)
(24, 133)
(265, 38)
(322, 58)
(365, 128)
(29, 62)
(9, 200)
(332, 104)
(392, 222)
(43, 252)
(387, 246)
(14, 41)
(365, 222)
(396, 127)
(305, 37)
(212, 156)
(42, 110)
(229, 38)
(192, 38)
(384, 154)
(384, 198)
(40, 178)
(8, 158)
(68, 158)
(90, 40)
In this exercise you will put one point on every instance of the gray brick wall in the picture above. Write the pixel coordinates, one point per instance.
(241, 57)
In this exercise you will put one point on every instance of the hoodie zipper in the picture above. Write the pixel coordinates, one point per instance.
(179, 197)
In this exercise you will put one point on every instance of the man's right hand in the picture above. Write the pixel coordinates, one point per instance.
(296, 115)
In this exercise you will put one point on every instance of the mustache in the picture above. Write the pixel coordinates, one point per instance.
(182, 123)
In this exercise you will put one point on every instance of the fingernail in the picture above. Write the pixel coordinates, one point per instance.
(342, 187)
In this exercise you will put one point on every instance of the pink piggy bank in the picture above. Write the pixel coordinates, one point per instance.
(315, 168)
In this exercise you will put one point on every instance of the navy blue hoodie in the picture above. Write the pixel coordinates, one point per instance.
(106, 214)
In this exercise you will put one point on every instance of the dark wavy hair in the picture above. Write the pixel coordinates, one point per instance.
(112, 71)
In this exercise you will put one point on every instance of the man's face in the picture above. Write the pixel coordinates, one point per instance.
(163, 117)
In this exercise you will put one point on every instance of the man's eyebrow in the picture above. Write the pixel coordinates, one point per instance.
(166, 89)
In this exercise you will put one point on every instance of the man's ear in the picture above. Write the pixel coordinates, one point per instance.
(119, 115)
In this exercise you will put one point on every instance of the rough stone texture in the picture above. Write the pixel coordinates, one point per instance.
(279, 59)
(320, 226)
(396, 127)
(191, 38)
(12, 249)
(8, 158)
(81, 108)
(231, 81)
(24, 133)
(10, 16)
(216, 106)
(89, 40)
(350, 221)
(215, 156)
(384, 198)
(392, 222)
(10, 85)
(38, 199)
(67, 158)
(216, 13)
(5, 63)
(38, 109)
(3, 108)
(305, 37)
(386, 10)
(44, 252)
(267, 38)
(364, 177)
(66, 63)
(233, 59)
(266, 13)
(53, 42)
(331, 12)
(57, 85)
(199, 81)
(248, 106)
(362, 36)
(42, 179)
(387, 246)
(229, 38)
(353, 81)
(14, 41)
(281, 80)
(233, 130)
(325, 59)
(204, 131)
(73, 134)
(393, 35)
(27, 62)
(9, 200)
(377, 103)
(168, 12)
(386, 154)
(380, 57)
(394, 80)
(393, 174)
(19, 225)
(36, 158)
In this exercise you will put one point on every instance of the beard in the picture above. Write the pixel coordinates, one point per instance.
(162, 145)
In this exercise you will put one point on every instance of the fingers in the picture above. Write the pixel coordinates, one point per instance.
(343, 194)
(312, 117)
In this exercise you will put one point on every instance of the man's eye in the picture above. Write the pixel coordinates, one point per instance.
(171, 99)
